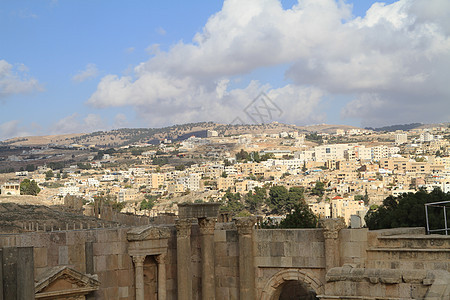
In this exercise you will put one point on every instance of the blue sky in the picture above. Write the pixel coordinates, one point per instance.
(79, 66)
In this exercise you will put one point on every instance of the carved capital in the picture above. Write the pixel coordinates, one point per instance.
(161, 259)
(245, 225)
(183, 227)
(207, 225)
(138, 260)
(331, 227)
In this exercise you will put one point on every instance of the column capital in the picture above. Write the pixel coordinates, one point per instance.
(331, 227)
(245, 225)
(161, 259)
(183, 227)
(138, 259)
(207, 225)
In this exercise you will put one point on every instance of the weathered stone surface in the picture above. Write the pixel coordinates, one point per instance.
(198, 210)
(148, 232)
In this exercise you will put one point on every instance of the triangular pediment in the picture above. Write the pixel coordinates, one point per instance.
(61, 282)
(148, 232)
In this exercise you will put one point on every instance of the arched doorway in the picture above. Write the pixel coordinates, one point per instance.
(292, 284)
(296, 290)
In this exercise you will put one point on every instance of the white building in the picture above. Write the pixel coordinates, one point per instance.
(401, 138)
(330, 152)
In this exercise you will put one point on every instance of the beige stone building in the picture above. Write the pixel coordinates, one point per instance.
(10, 189)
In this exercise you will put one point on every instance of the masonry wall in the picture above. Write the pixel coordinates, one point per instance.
(103, 250)
(280, 249)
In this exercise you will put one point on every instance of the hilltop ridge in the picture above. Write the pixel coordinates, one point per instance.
(127, 136)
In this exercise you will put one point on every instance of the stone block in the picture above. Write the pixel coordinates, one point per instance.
(123, 292)
(112, 262)
(277, 249)
(298, 262)
(286, 262)
(262, 249)
(58, 238)
(220, 250)
(198, 210)
(40, 257)
(233, 249)
(392, 290)
(99, 263)
(220, 236)
(231, 236)
(318, 248)
(63, 255)
(125, 278)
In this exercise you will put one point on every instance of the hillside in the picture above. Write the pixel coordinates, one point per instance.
(127, 136)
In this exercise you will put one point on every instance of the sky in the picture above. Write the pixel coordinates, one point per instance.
(71, 66)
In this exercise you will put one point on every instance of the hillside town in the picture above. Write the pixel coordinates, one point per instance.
(341, 174)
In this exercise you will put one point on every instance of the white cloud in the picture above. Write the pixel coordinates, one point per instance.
(129, 50)
(161, 31)
(89, 72)
(397, 54)
(16, 80)
(76, 124)
(120, 121)
(11, 129)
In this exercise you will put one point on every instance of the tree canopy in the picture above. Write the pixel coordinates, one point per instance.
(300, 217)
(408, 210)
(281, 200)
(28, 187)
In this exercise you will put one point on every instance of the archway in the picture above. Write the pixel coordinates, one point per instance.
(295, 290)
(292, 284)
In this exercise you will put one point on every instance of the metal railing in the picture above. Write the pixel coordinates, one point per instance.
(441, 204)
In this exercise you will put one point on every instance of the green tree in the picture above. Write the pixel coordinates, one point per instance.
(148, 202)
(49, 175)
(30, 168)
(366, 198)
(28, 187)
(281, 200)
(255, 199)
(408, 210)
(267, 156)
(231, 202)
(242, 155)
(300, 217)
(318, 189)
(180, 167)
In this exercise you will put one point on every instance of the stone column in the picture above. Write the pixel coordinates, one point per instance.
(246, 258)
(207, 250)
(331, 228)
(161, 260)
(139, 276)
(184, 273)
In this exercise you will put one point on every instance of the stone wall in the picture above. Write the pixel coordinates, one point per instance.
(289, 254)
(386, 264)
(103, 251)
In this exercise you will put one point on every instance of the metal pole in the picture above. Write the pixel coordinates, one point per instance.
(445, 220)
(426, 215)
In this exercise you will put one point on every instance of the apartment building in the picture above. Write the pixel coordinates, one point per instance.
(330, 152)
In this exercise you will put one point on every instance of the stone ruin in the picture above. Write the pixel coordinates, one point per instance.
(200, 258)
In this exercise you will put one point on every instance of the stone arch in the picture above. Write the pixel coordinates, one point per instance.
(272, 288)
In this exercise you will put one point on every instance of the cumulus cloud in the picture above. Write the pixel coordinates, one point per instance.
(89, 72)
(396, 56)
(11, 129)
(15, 80)
(77, 124)
(120, 121)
